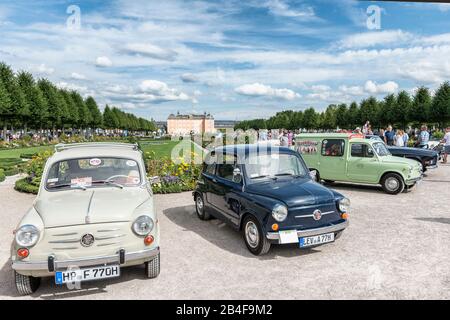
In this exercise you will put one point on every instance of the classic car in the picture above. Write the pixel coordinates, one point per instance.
(92, 216)
(428, 158)
(353, 158)
(266, 192)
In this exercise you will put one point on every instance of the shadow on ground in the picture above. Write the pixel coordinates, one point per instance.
(225, 237)
(438, 220)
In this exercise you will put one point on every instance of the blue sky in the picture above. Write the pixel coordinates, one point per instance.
(234, 59)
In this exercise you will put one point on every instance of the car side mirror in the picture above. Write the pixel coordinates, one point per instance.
(237, 175)
(312, 174)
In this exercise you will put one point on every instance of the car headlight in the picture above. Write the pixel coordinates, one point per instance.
(143, 225)
(279, 212)
(27, 235)
(344, 205)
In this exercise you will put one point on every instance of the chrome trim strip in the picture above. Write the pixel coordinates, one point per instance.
(87, 219)
(110, 237)
(65, 234)
(312, 232)
(312, 215)
(107, 244)
(85, 262)
(108, 230)
(65, 241)
(67, 248)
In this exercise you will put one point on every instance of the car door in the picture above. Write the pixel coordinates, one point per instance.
(225, 193)
(332, 163)
(208, 176)
(363, 165)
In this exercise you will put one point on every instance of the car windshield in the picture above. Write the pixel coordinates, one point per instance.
(259, 166)
(93, 172)
(380, 149)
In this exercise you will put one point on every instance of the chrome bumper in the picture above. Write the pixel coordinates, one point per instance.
(411, 181)
(312, 232)
(85, 262)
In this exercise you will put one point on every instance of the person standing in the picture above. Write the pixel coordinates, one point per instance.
(446, 142)
(366, 127)
(389, 135)
(381, 135)
(405, 139)
(399, 139)
(424, 137)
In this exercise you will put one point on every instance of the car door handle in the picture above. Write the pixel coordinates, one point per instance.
(214, 180)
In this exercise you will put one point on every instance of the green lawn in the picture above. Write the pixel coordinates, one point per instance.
(15, 153)
(162, 148)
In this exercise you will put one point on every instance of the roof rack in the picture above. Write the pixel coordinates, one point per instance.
(62, 146)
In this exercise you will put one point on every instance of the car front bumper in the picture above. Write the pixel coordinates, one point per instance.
(51, 265)
(412, 181)
(275, 236)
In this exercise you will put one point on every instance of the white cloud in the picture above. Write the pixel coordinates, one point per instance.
(77, 76)
(43, 69)
(375, 38)
(150, 50)
(103, 62)
(261, 90)
(155, 90)
(387, 87)
(280, 8)
(352, 90)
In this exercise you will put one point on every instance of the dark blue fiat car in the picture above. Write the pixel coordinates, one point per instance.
(267, 193)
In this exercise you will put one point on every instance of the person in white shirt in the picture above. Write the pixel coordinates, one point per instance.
(446, 142)
(399, 142)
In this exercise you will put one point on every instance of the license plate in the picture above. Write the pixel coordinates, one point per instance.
(79, 275)
(288, 236)
(314, 240)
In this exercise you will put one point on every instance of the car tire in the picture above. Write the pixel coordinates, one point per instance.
(254, 237)
(152, 267)
(392, 183)
(200, 207)
(26, 285)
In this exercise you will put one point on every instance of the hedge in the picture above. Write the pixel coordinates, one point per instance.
(2, 175)
(24, 185)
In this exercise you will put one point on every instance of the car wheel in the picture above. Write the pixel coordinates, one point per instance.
(200, 207)
(26, 285)
(152, 267)
(254, 236)
(392, 183)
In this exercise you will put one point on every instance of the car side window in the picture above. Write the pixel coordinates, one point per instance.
(361, 150)
(210, 169)
(225, 171)
(333, 147)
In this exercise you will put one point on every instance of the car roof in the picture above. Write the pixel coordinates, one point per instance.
(332, 135)
(245, 149)
(96, 150)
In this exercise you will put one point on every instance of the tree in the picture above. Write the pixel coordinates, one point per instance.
(341, 116)
(310, 118)
(34, 99)
(403, 108)
(71, 116)
(353, 115)
(329, 117)
(421, 106)
(110, 120)
(54, 110)
(440, 108)
(387, 110)
(84, 116)
(94, 112)
(5, 108)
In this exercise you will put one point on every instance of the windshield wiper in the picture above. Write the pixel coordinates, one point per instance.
(284, 174)
(72, 186)
(109, 182)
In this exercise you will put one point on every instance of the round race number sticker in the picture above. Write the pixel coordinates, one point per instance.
(95, 162)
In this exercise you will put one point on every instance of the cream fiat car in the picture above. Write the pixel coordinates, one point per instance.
(92, 216)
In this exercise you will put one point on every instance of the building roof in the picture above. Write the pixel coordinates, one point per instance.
(191, 116)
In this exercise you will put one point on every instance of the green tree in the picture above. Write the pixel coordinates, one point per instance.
(387, 110)
(421, 106)
(354, 116)
(34, 99)
(5, 108)
(341, 116)
(53, 102)
(310, 119)
(403, 108)
(440, 108)
(84, 116)
(94, 112)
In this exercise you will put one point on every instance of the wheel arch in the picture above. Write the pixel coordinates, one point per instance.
(388, 172)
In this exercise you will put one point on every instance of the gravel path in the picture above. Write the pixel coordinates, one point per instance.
(396, 247)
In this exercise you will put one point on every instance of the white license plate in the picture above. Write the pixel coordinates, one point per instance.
(315, 240)
(79, 275)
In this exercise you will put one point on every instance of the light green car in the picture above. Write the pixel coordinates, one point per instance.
(352, 158)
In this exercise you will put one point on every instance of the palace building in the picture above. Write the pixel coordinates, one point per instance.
(183, 124)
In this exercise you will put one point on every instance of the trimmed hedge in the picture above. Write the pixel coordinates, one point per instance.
(2, 175)
(24, 185)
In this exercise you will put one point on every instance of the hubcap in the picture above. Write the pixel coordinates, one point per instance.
(199, 203)
(251, 234)
(392, 184)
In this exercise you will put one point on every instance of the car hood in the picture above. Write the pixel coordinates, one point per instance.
(399, 160)
(413, 151)
(66, 208)
(294, 192)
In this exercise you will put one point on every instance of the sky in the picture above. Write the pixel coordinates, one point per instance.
(234, 59)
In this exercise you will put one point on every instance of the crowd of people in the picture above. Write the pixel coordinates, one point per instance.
(414, 137)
